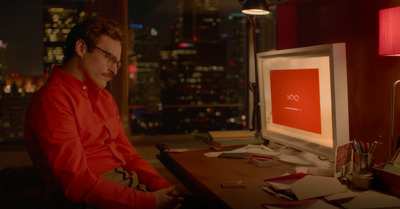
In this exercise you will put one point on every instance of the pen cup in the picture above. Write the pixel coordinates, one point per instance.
(363, 162)
(362, 175)
(362, 180)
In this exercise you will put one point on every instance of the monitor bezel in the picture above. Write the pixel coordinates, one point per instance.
(338, 95)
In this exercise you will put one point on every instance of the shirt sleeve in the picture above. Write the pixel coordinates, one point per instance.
(133, 162)
(59, 152)
(146, 173)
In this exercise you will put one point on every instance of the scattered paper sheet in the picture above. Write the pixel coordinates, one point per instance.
(282, 185)
(372, 199)
(341, 196)
(316, 186)
(250, 149)
(285, 181)
(287, 176)
(302, 204)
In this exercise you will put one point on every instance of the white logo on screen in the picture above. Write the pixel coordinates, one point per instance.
(292, 97)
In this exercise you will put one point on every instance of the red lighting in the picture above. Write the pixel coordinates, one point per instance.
(240, 80)
(46, 74)
(195, 38)
(181, 45)
(185, 45)
(389, 31)
(12, 74)
(132, 69)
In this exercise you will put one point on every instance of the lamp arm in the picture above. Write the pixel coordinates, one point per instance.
(392, 119)
(253, 86)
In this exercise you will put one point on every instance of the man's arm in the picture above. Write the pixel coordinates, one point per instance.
(58, 151)
(147, 174)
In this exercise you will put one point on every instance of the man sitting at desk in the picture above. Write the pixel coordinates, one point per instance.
(74, 133)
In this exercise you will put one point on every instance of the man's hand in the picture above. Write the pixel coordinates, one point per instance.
(168, 198)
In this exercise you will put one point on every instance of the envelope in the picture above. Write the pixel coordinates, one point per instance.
(284, 182)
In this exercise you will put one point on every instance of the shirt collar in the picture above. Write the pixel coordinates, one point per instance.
(74, 83)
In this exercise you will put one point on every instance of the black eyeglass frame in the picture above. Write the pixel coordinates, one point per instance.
(112, 59)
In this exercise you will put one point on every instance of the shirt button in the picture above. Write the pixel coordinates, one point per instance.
(84, 87)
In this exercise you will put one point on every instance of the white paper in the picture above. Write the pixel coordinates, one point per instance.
(319, 204)
(249, 149)
(372, 199)
(316, 186)
(282, 184)
(340, 196)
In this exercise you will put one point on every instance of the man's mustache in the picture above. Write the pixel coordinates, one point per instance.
(108, 75)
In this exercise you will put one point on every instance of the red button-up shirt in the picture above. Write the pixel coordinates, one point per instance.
(74, 133)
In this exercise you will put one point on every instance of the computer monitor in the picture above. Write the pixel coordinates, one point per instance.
(303, 98)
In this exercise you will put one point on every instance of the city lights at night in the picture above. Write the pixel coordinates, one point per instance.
(185, 76)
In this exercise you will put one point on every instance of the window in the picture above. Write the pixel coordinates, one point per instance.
(188, 65)
(188, 60)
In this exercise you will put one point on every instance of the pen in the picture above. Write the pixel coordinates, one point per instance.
(362, 146)
(355, 146)
(359, 147)
(373, 146)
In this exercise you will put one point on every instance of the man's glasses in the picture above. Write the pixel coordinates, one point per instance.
(111, 59)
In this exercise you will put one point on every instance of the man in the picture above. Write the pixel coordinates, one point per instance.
(75, 136)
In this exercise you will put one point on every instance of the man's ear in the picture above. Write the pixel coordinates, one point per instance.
(80, 48)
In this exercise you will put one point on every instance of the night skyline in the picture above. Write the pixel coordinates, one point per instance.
(21, 26)
(208, 84)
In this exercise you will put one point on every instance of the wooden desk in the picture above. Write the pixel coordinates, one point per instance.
(203, 176)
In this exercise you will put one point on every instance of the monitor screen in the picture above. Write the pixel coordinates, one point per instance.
(303, 98)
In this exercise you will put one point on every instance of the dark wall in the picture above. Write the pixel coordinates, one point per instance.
(303, 23)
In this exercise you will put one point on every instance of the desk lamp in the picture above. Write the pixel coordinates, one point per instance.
(389, 45)
(253, 8)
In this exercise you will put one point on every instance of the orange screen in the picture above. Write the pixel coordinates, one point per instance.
(295, 99)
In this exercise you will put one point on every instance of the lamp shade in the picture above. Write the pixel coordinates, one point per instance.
(389, 32)
(255, 7)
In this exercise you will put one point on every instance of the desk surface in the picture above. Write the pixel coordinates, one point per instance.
(203, 177)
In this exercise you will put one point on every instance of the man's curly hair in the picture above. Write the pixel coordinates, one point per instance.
(90, 31)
